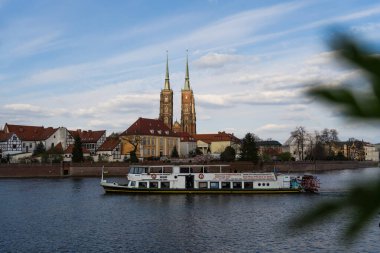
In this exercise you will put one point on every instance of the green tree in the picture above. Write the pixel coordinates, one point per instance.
(363, 201)
(77, 150)
(285, 156)
(249, 149)
(228, 155)
(40, 149)
(133, 156)
(174, 152)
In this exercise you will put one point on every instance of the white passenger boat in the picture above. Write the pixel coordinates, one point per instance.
(207, 179)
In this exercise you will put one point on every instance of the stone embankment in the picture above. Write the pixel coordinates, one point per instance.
(121, 169)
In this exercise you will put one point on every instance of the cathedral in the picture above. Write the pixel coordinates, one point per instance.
(188, 118)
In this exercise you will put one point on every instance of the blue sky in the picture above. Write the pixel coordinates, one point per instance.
(101, 64)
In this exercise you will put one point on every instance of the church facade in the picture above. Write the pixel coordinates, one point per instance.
(188, 117)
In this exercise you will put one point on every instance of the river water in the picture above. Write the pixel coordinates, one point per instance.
(74, 215)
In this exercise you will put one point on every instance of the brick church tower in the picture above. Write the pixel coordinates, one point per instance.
(166, 100)
(188, 118)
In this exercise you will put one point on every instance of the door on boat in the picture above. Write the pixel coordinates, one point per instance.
(189, 181)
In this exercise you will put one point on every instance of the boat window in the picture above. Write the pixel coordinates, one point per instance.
(133, 183)
(184, 170)
(202, 185)
(168, 170)
(267, 184)
(259, 184)
(153, 185)
(142, 184)
(155, 169)
(214, 185)
(165, 185)
(226, 185)
(248, 185)
(138, 170)
(236, 185)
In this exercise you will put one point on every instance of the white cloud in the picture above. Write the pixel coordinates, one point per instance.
(22, 107)
(273, 128)
(216, 60)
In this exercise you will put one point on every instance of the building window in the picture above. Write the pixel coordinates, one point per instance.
(30, 145)
(14, 146)
(23, 145)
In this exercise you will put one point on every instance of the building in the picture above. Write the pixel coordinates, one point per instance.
(299, 148)
(188, 144)
(68, 153)
(152, 138)
(91, 140)
(110, 150)
(10, 144)
(269, 148)
(166, 100)
(217, 143)
(370, 152)
(30, 136)
(188, 116)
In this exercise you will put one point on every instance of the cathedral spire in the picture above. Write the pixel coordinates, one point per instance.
(167, 82)
(187, 79)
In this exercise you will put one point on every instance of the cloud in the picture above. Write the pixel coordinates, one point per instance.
(273, 128)
(22, 107)
(216, 60)
(11, 111)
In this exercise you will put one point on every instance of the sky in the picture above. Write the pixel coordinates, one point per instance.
(94, 64)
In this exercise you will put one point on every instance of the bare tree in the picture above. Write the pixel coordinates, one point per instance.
(134, 140)
(300, 134)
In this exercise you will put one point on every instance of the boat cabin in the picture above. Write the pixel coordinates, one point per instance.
(203, 177)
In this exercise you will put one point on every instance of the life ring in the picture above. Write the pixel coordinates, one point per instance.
(153, 176)
(201, 176)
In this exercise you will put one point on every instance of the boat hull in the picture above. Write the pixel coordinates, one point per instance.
(126, 190)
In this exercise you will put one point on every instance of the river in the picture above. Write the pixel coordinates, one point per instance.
(74, 215)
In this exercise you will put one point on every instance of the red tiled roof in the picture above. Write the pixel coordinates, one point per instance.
(88, 136)
(70, 148)
(185, 137)
(220, 136)
(30, 133)
(5, 136)
(59, 147)
(144, 126)
(109, 145)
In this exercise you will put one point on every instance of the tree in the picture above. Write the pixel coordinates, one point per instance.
(174, 152)
(249, 149)
(77, 150)
(134, 140)
(228, 155)
(285, 156)
(40, 149)
(363, 201)
(300, 136)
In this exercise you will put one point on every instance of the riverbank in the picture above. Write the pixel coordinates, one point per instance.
(121, 169)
